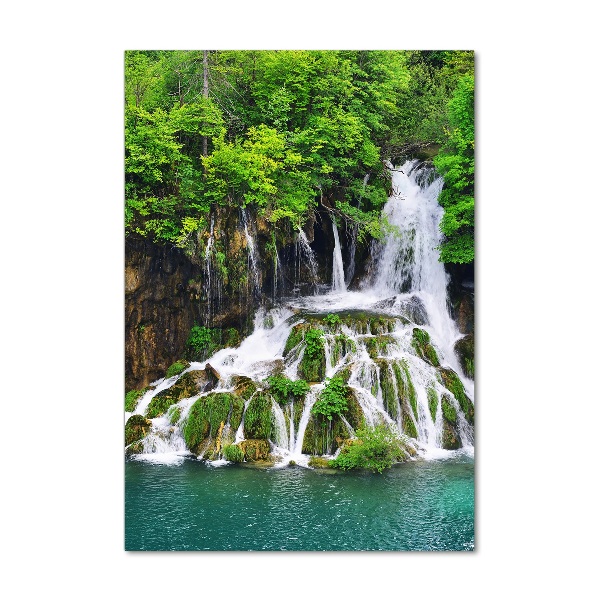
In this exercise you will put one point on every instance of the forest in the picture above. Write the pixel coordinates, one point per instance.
(284, 131)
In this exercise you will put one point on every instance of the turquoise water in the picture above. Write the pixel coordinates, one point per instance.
(193, 506)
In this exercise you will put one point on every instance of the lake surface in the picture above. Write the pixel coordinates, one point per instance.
(421, 505)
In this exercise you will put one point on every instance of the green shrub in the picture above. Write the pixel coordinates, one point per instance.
(332, 400)
(233, 453)
(284, 390)
(332, 321)
(375, 448)
(315, 343)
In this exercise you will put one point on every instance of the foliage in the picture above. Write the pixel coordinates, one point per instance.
(284, 389)
(233, 453)
(456, 162)
(332, 321)
(286, 131)
(203, 342)
(375, 448)
(176, 368)
(332, 400)
(315, 343)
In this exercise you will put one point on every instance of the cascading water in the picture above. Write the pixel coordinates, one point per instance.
(253, 260)
(338, 283)
(393, 342)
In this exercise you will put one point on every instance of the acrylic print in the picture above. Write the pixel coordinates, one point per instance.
(299, 300)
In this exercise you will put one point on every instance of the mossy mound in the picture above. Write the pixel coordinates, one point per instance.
(448, 410)
(318, 462)
(255, 450)
(453, 383)
(421, 342)
(312, 369)
(258, 417)
(132, 398)
(206, 416)
(177, 367)
(136, 428)
(465, 351)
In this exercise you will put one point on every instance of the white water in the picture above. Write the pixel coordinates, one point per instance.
(409, 282)
(338, 283)
(306, 252)
(253, 261)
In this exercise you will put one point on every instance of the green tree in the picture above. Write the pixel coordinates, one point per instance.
(456, 162)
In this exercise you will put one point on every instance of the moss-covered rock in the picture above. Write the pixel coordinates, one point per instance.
(255, 450)
(323, 436)
(136, 428)
(295, 337)
(450, 437)
(342, 345)
(258, 417)
(408, 425)
(312, 368)
(421, 342)
(387, 379)
(354, 415)
(206, 416)
(406, 389)
(243, 386)
(132, 398)
(177, 367)
(453, 383)
(465, 351)
(448, 410)
(318, 462)
(432, 401)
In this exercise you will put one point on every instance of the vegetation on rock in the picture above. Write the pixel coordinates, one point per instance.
(375, 448)
(421, 342)
(131, 399)
(177, 367)
(284, 390)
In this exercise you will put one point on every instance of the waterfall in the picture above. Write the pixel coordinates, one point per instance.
(306, 252)
(253, 261)
(338, 283)
(375, 342)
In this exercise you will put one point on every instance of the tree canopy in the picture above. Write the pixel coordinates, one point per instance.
(281, 130)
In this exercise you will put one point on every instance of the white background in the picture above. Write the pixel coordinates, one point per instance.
(536, 280)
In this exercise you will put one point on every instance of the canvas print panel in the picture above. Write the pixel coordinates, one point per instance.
(299, 300)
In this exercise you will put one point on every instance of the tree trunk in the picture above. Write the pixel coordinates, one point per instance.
(205, 94)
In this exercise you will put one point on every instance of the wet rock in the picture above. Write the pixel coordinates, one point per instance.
(465, 351)
(255, 450)
(414, 309)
